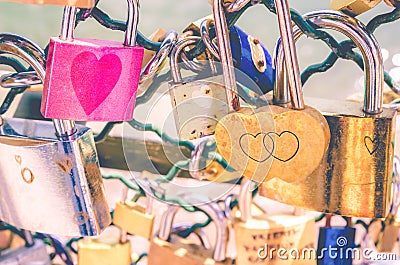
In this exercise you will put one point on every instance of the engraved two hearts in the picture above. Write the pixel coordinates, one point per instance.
(269, 144)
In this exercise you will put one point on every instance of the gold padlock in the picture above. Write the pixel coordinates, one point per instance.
(104, 251)
(257, 235)
(353, 7)
(354, 178)
(133, 218)
(177, 252)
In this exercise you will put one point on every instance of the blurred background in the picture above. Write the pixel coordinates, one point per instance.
(345, 78)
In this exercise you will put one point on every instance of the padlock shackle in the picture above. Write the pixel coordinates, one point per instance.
(205, 37)
(132, 23)
(155, 64)
(225, 53)
(68, 23)
(213, 210)
(69, 17)
(290, 58)
(245, 199)
(357, 32)
(199, 233)
(34, 55)
(176, 53)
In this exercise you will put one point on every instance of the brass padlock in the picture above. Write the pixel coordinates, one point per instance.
(133, 218)
(354, 178)
(353, 7)
(198, 104)
(105, 250)
(257, 235)
(164, 248)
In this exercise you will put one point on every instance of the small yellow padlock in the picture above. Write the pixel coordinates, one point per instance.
(104, 251)
(164, 251)
(133, 218)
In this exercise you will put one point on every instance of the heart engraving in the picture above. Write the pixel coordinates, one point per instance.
(245, 146)
(291, 144)
(292, 147)
(372, 145)
(94, 79)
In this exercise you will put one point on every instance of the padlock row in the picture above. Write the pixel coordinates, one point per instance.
(255, 233)
(335, 161)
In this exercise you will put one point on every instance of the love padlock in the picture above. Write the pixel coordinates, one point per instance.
(48, 166)
(163, 248)
(133, 218)
(336, 243)
(88, 79)
(274, 144)
(258, 235)
(354, 178)
(198, 104)
(105, 250)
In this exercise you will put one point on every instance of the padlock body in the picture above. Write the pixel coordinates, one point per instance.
(334, 245)
(273, 232)
(355, 176)
(47, 182)
(91, 80)
(198, 106)
(77, 3)
(252, 58)
(133, 218)
(94, 251)
(179, 252)
(353, 7)
(36, 254)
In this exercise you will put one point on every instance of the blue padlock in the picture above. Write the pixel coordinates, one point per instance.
(251, 57)
(336, 245)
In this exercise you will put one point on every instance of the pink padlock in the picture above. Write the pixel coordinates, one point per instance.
(92, 80)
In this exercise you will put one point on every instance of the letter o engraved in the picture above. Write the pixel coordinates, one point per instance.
(27, 175)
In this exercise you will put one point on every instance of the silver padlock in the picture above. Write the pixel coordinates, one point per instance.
(51, 181)
(33, 253)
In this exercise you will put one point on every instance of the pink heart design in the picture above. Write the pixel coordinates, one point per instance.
(93, 80)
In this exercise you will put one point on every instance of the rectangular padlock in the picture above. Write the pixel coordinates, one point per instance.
(92, 80)
(48, 166)
(41, 174)
(35, 254)
(134, 219)
(355, 175)
(197, 104)
(104, 252)
(163, 249)
(257, 235)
